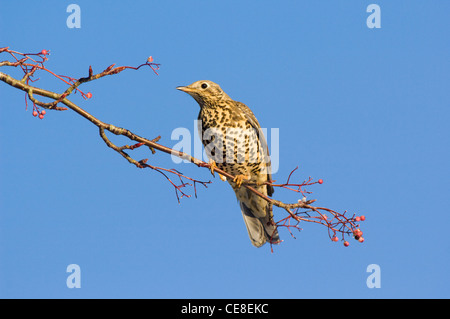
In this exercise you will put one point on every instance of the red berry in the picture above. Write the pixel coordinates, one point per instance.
(89, 95)
(362, 217)
(150, 59)
(361, 239)
(335, 238)
(41, 116)
(357, 218)
(357, 233)
(35, 113)
(346, 243)
(43, 112)
(320, 181)
(44, 52)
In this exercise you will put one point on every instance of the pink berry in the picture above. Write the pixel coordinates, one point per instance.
(346, 243)
(361, 239)
(357, 233)
(41, 116)
(150, 59)
(320, 181)
(357, 218)
(89, 95)
(335, 238)
(35, 113)
(43, 112)
(362, 217)
(44, 52)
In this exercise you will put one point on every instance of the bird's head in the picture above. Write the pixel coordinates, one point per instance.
(205, 92)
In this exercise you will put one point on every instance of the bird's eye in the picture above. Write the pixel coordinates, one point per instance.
(204, 85)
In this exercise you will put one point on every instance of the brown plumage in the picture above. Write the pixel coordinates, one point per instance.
(234, 142)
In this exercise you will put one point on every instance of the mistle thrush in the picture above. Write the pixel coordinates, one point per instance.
(234, 142)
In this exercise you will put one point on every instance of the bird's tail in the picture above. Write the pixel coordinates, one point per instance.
(260, 229)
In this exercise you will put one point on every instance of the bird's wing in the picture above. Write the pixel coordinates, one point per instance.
(248, 114)
(251, 118)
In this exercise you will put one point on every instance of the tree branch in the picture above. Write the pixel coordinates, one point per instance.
(297, 212)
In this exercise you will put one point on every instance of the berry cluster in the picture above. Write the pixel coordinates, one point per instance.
(41, 113)
(357, 233)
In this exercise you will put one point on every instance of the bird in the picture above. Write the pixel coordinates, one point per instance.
(234, 142)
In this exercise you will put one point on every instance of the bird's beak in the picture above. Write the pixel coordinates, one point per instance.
(186, 89)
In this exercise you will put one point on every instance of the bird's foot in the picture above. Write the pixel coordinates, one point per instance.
(212, 166)
(239, 179)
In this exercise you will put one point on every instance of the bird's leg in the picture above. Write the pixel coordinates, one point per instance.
(239, 179)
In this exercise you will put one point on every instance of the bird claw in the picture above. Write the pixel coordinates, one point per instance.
(212, 166)
(239, 179)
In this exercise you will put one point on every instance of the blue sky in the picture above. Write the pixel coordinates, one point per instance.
(366, 110)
